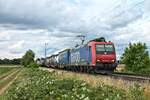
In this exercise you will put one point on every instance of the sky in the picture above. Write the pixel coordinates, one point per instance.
(29, 24)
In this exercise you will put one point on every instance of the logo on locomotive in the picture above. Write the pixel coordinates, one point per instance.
(75, 57)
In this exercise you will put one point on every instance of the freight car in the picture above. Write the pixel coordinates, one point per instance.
(51, 61)
(64, 58)
(95, 56)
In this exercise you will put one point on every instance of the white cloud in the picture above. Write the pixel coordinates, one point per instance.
(17, 45)
(33, 22)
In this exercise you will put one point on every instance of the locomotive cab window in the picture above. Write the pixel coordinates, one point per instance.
(109, 48)
(100, 49)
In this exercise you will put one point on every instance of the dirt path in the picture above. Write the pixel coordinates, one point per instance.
(4, 75)
(7, 81)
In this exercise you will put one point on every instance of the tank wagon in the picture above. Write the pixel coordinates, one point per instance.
(95, 56)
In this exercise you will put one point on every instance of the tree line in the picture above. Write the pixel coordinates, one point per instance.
(27, 60)
(6, 61)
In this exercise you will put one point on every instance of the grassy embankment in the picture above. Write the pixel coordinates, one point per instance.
(98, 80)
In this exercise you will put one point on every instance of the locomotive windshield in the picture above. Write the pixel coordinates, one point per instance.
(109, 48)
(104, 48)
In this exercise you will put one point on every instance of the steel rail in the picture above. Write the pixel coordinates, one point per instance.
(116, 75)
(130, 77)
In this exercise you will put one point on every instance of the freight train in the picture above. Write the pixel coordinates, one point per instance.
(97, 56)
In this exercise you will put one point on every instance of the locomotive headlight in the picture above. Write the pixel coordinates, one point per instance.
(113, 60)
(98, 60)
(93, 64)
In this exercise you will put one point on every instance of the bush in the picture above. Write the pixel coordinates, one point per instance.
(136, 57)
(33, 65)
(28, 58)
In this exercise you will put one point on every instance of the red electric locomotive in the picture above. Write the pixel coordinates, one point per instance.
(103, 55)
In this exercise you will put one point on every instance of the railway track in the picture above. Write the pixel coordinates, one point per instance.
(118, 75)
(130, 77)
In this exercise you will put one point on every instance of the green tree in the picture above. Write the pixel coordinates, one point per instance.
(28, 58)
(136, 57)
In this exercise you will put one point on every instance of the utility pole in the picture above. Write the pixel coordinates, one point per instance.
(46, 49)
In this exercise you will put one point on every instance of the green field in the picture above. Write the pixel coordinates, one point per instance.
(4, 70)
(35, 84)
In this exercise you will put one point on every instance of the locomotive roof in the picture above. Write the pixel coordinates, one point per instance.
(101, 39)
